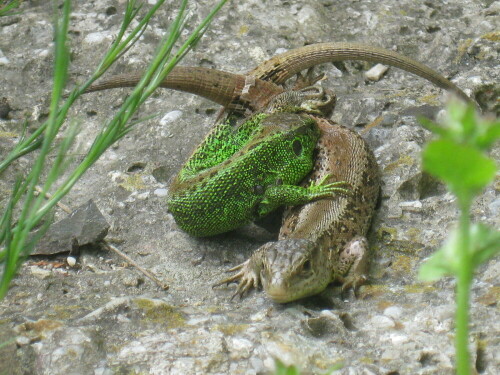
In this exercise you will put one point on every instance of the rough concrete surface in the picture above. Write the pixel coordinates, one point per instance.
(102, 317)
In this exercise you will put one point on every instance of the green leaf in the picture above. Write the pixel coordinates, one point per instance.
(443, 262)
(465, 169)
(433, 127)
(282, 369)
(490, 133)
(435, 267)
(464, 126)
(485, 243)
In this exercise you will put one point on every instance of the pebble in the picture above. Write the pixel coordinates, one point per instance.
(131, 280)
(3, 59)
(380, 321)
(393, 312)
(143, 196)
(40, 273)
(390, 355)
(95, 38)
(171, 117)
(398, 339)
(22, 341)
(259, 316)
(161, 192)
(495, 207)
(240, 348)
(71, 261)
(375, 73)
(415, 206)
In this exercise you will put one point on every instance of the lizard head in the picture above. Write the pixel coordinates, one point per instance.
(293, 269)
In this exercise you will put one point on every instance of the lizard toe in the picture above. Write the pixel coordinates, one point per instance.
(354, 283)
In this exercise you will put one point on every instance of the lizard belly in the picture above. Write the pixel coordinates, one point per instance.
(345, 156)
(323, 241)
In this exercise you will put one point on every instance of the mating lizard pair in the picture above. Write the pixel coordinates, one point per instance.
(248, 166)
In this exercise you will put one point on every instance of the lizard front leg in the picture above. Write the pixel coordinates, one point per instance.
(248, 273)
(352, 264)
(291, 195)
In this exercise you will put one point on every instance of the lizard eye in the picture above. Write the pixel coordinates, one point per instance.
(306, 267)
(297, 147)
(258, 189)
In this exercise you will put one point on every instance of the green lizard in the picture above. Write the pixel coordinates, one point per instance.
(240, 174)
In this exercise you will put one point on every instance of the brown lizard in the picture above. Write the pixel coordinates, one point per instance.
(324, 241)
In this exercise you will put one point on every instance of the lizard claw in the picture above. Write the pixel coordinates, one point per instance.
(247, 279)
(309, 79)
(354, 283)
(322, 190)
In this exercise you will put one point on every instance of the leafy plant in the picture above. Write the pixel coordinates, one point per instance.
(458, 158)
(32, 209)
(7, 7)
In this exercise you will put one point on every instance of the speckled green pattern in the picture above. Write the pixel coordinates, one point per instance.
(220, 144)
(238, 175)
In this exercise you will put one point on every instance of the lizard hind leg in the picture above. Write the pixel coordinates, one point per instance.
(303, 81)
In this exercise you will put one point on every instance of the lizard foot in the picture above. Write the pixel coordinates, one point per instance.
(247, 277)
(355, 255)
(309, 79)
(353, 282)
(321, 190)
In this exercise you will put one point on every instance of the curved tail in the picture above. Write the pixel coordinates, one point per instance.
(281, 67)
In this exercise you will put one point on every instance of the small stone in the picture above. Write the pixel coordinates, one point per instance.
(71, 261)
(95, 38)
(132, 281)
(380, 321)
(22, 341)
(259, 316)
(495, 207)
(390, 355)
(240, 348)
(171, 117)
(143, 196)
(3, 60)
(257, 365)
(122, 318)
(85, 225)
(397, 339)
(414, 206)
(393, 312)
(161, 192)
(40, 273)
(375, 73)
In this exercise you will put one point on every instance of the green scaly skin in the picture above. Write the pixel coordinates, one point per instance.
(242, 173)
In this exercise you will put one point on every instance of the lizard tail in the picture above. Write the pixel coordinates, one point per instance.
(234, 91)
(281, 67)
